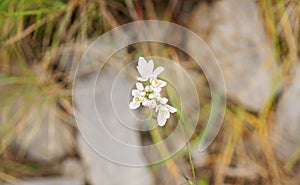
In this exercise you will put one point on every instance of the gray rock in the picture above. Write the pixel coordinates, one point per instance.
(234, 32)
(44, 137)
(38, 129)
(287, 117)
(72, 168)
(100, 170)
(45, 141)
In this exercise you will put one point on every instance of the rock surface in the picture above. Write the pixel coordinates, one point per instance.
(72, 168)
(287, 118)
(241, 46)
(101, 171)
(98, 169)
(49, 140)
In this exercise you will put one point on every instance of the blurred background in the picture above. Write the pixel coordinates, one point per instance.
(256, 43)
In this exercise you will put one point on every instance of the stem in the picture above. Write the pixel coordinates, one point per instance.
(185, 138)
(191, 161)
(164, 152)
(189, 153)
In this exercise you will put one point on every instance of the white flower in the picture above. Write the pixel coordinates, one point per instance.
(140, 91)
(146, 70)
(157, 83)
(149, 103)
(164, 111)
(136, 102)
(150, 88)
(152, 92)
(149, 95)
(138, 96)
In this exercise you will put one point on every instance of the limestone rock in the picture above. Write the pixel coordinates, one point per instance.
(100, 170)
(72, 168)
(235, 33)
(46, 141)
(287, 118)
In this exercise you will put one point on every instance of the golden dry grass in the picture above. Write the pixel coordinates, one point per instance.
(34, 78)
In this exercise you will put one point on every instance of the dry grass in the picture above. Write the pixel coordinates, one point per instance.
(36, 78)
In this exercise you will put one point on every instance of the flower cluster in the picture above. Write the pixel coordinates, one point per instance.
(147, 92)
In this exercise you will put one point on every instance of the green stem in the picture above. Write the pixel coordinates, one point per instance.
(185, 138)
(189, 154)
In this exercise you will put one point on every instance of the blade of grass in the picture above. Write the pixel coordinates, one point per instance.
(31, 28)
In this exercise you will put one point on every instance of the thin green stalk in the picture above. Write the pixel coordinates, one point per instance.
(171, 165)
(189, 153)
(187, 144)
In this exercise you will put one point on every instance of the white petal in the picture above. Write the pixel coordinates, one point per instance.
(134, 105)
(157, 107)
(168, 115)
(152, 77)
(150, 67)
(161, 120)
(162, 83)
(156, 89)
(148, 88)
(142, 79)
(171, 109)
(151, 96)
(157, 97)
(157, 83)
(157, 71)
(164, 100)
(137, 93)
(142, 61)
(142, 67)
(152, 104)
(139, 86)
(146, 103)
(153, 82)
(142, 70)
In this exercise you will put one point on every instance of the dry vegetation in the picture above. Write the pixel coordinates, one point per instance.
(41, 43)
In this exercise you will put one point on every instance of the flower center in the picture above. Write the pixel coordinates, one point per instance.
(155, 82)
(138, 99)
(149, 94)
(164, 112)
